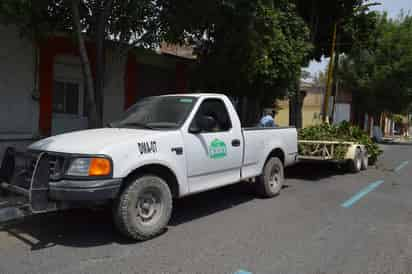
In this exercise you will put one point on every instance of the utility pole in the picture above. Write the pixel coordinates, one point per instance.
(325, 116)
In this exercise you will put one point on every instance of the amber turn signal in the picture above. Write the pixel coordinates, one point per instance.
(100, 167)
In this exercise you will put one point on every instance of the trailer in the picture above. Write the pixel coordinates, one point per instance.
(352, 154)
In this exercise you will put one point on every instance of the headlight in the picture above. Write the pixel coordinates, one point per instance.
(90, 167)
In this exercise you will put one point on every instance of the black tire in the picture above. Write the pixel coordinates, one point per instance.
(144, 208)
(355, 165)
(365, 160)
(3, 193)
(270, 182)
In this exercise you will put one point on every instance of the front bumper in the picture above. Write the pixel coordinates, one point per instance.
(28, 175)
(96, 190)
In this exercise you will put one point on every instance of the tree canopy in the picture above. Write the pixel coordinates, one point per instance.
(351, 16)
(252, 48)
(380, 74)
(245, 48)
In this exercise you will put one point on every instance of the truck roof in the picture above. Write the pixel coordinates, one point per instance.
(197, 95)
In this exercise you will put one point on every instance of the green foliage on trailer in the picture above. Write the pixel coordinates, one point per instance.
(343, 132)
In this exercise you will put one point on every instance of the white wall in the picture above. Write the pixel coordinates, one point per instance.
(69, 67)
(113, 106)
(18, 111)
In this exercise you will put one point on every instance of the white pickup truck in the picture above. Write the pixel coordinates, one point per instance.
(165, 147)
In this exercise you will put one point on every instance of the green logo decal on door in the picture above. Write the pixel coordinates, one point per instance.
(217, 149)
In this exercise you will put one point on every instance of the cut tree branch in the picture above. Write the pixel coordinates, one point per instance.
(94, 119)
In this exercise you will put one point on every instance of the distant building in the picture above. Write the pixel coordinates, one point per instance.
(177, 50)
(312, 106)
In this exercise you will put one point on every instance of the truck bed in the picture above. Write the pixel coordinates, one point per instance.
(265, 128)
(260, 141)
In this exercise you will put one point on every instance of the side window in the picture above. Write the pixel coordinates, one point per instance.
(216, 109)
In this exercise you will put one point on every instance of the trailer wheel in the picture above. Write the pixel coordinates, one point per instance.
(144, 208)
(355, 165)
(270, 182)
(365, 160)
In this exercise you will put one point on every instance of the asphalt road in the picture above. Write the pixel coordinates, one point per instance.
(304, 230)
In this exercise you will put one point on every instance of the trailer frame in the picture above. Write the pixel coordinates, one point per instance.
(356, 155)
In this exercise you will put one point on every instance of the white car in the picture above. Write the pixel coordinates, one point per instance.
(165, 147)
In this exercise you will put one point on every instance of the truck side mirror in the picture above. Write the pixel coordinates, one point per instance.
(203, 123)
(207, 123)
(194, 129)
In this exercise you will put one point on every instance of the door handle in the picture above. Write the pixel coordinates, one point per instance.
(236, 142)
(177, 150)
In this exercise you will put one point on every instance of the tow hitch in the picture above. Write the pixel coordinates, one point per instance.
(24, 185)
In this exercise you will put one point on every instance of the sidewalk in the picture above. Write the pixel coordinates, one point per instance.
(400, 139)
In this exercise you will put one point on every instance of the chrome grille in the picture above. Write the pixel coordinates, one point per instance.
(56, 164)
(53, 165)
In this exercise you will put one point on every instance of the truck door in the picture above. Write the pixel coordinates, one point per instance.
(214, 157)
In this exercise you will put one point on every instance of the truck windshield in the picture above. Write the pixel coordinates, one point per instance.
(160, 112)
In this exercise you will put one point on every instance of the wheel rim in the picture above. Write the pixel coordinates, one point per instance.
(149, 206)
(358, 163)
(274, 178)
(365, 160)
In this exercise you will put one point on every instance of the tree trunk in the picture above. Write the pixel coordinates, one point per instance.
(102, 15)
(94, 118)
(335, 80)
(292, 111)
(295, 107)
(301, 98)
(100, 70)
(250, 110)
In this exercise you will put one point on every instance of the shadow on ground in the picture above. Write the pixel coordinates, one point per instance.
(397, 143)
(314, 171)
(89, 228)
(207, 203)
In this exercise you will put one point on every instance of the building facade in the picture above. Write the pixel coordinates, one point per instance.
(42, 90)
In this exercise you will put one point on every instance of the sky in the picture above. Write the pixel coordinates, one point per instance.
(392, 7)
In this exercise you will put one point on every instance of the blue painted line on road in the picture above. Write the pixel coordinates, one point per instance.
(401, 166)
(362, 193)
(241, 271)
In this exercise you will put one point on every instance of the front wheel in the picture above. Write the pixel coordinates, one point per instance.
(144, 208)
(270, 182)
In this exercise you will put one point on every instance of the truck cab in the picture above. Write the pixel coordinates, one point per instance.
(165, 147)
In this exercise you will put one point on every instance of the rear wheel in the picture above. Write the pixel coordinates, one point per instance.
(270, 182)
(3, 193)
(144, 208)
(355, 165)
(365, 160)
